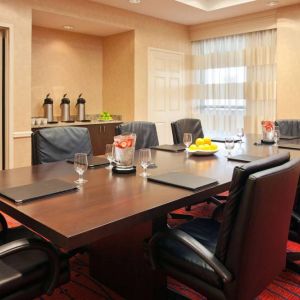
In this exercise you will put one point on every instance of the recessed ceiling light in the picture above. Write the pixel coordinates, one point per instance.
(211, 5)
(135, 1)
(273, 3)
(68, 27)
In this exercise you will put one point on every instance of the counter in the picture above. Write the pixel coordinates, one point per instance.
(76, 123)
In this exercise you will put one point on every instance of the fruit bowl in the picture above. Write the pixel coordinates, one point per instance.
(202, 152)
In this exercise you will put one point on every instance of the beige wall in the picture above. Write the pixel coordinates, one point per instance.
(288, 63)
(118, 75)
(17, 16)
(237, 25)
(66, 62)
(149, 32)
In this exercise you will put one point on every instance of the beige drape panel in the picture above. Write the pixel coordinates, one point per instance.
(234, 81)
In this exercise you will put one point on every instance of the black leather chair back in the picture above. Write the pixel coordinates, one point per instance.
(237, 187)
(182, 126)
(60, 143)
(146, 134)
(259, 235)
(289, 127)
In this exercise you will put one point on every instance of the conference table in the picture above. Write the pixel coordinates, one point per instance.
(113, 214)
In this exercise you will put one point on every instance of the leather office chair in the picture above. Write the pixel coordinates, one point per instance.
(237, 258)
(60, 143)
(289, 127)
(192, 126)
(29, 266)
(146, 134)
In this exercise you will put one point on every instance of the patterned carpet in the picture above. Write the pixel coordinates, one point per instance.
(82, 286)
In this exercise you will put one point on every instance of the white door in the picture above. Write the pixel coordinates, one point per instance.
(166, 91)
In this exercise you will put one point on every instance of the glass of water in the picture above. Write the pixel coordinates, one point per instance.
(229, 145)
(187, 139)
(145, 160)
(109, 154)
(80, 166)
(240, 134)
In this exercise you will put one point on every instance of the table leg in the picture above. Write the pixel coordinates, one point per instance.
(119, 262)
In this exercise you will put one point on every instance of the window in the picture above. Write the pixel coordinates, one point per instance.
(230, 75)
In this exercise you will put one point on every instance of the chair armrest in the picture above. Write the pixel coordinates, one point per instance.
(196, 247)
(203, 253)
(296, 217)
(35, 244)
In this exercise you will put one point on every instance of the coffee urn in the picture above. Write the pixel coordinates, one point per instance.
(65, 109)
(48, 109)
(80, 107)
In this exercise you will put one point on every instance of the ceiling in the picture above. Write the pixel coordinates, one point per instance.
(56, 21)
(206, 10)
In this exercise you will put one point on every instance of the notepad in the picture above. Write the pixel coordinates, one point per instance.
(170, 148)
(289, 137)
(94, 161)
(290, 146)
(36, 190)
(183, 180)
(244, 158)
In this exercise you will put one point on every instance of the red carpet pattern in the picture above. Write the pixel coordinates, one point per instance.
(82, 286)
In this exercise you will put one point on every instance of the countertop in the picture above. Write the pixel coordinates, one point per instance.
(76, 123)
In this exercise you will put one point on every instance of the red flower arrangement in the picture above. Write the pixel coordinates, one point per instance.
(268, 125)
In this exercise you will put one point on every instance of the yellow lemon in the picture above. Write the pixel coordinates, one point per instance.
(193, 147)
(213, 146)
(207, 140)
(201, 147)
(199, 141)
(206, 147)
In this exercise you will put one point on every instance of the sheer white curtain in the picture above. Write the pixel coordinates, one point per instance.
(234, 82)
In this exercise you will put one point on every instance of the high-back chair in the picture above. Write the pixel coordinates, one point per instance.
(182, 126)
(237, 258)
(146, 134)
(289, 127)
(59, 143)
(29, 265)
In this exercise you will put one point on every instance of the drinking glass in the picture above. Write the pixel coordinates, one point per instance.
(229, 145)
(80, 166)
(276, 135)
(145, 160)
(240, 134)
(187, 139)
(109, 154)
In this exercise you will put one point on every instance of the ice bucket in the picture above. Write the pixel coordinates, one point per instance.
(268, 131)
(124, 147)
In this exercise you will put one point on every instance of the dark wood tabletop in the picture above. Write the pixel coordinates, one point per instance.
(109, 203)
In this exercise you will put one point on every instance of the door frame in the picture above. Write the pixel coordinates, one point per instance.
(9, 93)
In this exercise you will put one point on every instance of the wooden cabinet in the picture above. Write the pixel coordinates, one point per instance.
(101, 134)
